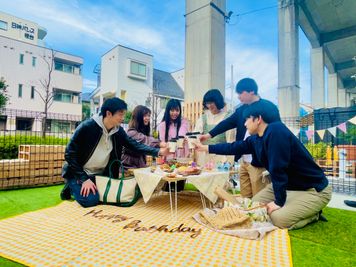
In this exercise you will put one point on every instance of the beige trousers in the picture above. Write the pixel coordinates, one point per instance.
(301, 207)
(251, 180)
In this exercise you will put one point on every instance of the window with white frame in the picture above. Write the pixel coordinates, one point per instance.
(138, 69)
(65, 67)
(3, 25)
(65, 96)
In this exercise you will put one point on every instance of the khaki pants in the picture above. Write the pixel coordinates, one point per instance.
(251, 180)
(301, 207)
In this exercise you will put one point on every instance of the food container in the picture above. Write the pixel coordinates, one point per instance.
(184, 161)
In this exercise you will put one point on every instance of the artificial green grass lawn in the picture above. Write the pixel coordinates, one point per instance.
(319, 244)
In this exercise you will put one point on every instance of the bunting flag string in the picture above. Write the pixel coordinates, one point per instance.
(321, 133)
(332, 130)
(309, 133)
(353, 120)
(342, 127)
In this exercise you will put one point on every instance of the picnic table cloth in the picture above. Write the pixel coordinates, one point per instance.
(69, 235)
(206, 182)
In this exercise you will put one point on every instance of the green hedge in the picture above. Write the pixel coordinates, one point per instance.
(318, 151)
(9, 145)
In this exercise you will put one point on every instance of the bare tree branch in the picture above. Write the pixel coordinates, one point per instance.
(47, 87)
(43, 83)
(39, 95)
(50, 104)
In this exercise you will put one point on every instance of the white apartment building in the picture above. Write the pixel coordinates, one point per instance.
(129, 74)
(25, 66)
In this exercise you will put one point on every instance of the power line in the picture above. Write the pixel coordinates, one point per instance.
(237, 16)
(227, 18)
(255, 10)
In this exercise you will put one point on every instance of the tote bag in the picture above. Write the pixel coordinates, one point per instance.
(122, 191)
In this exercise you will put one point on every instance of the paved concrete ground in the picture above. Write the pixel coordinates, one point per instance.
(337, 201)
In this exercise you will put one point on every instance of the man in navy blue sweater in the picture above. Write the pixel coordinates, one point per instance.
(299, 189)
(251, 180)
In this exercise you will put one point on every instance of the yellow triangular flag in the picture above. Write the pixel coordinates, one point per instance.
(321, 133)
(353, 120)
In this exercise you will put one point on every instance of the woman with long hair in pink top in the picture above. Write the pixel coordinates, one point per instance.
(173, 125)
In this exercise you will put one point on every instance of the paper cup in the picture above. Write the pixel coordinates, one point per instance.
(191, 141)
(172, 146)
(180, 142)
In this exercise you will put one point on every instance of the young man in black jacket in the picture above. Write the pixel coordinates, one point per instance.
(251, 178)
(299, 189)
(94, 145)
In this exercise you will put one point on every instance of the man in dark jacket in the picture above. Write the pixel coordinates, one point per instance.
(251, 178)
(94, 145)
(299, 189)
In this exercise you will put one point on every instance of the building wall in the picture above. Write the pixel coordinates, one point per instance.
(137, 90)
(28, 75)
(67, 81)
(204, 48)
(109, 72)
(20, 29)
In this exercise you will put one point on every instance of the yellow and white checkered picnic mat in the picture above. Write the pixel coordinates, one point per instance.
(69, 235)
